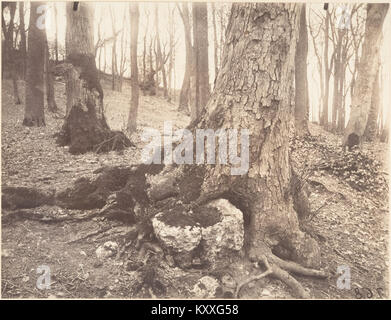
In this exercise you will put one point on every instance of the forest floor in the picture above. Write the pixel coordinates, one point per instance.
(351, 226)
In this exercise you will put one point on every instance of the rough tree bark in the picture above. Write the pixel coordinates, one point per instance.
(366, 74)
(201, 69)
(34, 106)
(254, 91)
(301, 81)
(134, 20)
(85, 128)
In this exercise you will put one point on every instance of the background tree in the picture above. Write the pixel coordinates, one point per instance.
(10, 63)
(160, 61)
(34, 106)
(201, 69)
(134, 20)
(185, 90)
(371, 129)
(366, 75)
(49, 80)
(23, 43)
(301, 81)
(85, 128)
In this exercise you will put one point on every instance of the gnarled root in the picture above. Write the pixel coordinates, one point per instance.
(278, 268)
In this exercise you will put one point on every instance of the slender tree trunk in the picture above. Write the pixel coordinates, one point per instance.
(134, 19)
(104, 61)
(184, 94)
(55, 32)
(34, 106)
(160, 62)
(23, 47)
(170, 59)
(366, 74)
(200, 36)
(9, 52)
(113, 53)
(216, 48)
(338, 68)
(301, 81)
(325, 112)
(52, 106)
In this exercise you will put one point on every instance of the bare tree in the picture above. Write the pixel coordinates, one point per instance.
(371, 129)
(85, 128)
(34, 106)
(55, 31)
(200, 36)
(114, 70)
(23, 43)
(160, 61)
(366, 75)
(9, 49)
(301, 81)
(185, 90)
(134, 20)
(122, 61)
(49, 80)
(215, 41)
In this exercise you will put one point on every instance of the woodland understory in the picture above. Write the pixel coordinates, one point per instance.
(53, 214)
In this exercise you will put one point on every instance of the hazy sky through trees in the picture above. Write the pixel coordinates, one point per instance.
(102, 11)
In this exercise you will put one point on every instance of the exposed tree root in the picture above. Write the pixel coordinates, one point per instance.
(296, 268)
(278, 268)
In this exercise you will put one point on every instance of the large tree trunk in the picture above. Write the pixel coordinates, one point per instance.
(254, 92)
(261, 106)
(184, 94)
(366, 75)
(301, 81)
(134, 20)
(200, 38)
(85, 128)
(34, 106)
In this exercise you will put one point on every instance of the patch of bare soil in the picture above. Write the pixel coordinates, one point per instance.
(350, 225)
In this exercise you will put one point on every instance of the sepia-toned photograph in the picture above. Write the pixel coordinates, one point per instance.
(195, 150)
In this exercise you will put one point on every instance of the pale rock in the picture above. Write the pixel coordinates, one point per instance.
(225, 237)
(179, 239)
(108, 249)
(205, 288)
